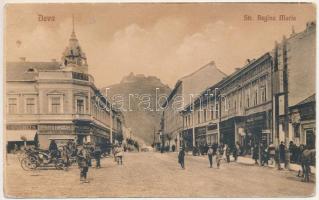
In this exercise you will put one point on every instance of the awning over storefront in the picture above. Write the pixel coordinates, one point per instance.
(20, 135)
(62, 137)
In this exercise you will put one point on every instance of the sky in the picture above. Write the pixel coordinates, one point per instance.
(164, 40)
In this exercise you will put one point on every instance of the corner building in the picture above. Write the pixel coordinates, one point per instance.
(56, 101)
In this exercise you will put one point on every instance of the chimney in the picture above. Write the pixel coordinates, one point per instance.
(248, 61)
(22, 59)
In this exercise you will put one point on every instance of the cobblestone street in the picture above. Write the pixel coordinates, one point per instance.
(152, 174)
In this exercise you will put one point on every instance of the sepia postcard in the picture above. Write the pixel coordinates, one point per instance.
(159, 100)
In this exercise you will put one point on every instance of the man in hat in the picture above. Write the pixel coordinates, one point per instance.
(83, 161)
(97, 155)
(210, 155)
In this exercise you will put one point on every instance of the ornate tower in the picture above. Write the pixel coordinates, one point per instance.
(73, 58)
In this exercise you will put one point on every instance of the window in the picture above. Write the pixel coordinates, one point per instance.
(13, 106)
(212, 114)
(216, 111)
(247, 101)
(80, 106)
(263, 94)
(256, 97)
(55, 105)
(198, 117)
(30, 105)
(205, 113)
(297, 130)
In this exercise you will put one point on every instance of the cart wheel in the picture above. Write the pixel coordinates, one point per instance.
(28, 164)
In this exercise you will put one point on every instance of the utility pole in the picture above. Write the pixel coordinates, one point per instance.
(286, 109)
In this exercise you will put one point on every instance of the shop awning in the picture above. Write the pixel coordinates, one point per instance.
(20, 135)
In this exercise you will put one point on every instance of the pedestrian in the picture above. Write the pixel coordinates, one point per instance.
(219, 153)
(265, 155)
(210, 156)
(256, 153)
(181, 158)
(114, 152)
(277, 158)
(282, 151)
(65, 157)
(53, 149)
(83, 158)
(173, 148)
(236, 151)
(97, 155)
(119, 154)
(227, 153)
(301, 170)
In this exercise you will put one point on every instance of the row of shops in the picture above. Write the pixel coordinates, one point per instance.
(246, 131)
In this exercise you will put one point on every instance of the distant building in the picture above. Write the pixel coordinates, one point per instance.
(56, 101)
(186, 89)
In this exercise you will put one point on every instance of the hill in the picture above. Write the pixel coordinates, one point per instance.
(137, 97)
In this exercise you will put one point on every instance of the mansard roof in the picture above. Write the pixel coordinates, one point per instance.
(18, 71)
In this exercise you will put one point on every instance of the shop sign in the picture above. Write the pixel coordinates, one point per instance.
(55, 127)
(200, 130)
(21, 127)
(255, 118)
(211, 127)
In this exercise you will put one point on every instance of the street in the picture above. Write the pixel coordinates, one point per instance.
(151, 174)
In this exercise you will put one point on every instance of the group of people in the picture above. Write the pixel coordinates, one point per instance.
(83, 153)
(214, 152)
(261, 153)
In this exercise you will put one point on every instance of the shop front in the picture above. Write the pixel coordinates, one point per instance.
(18, 136)
(228, 130)
(212, 134)
(257, 130)
(61, 133)
(187, 139)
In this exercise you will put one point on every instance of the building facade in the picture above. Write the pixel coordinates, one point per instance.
(294, 59)
(262, 102)
(236, 109)
(185, 90)
(57, 101)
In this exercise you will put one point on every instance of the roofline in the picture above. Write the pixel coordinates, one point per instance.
(199, 69)
(301, 104)
(228, 78)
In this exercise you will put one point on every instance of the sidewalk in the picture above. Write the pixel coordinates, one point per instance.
(292, 167)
